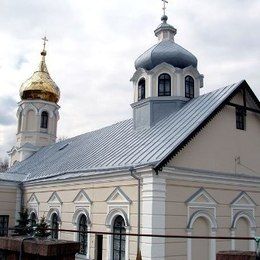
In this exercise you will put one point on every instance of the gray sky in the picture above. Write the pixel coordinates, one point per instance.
(93, 45)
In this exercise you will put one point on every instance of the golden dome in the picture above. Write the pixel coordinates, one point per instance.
(40, 85)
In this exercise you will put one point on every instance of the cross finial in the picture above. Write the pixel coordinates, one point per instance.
(164, 6)
(44, 42)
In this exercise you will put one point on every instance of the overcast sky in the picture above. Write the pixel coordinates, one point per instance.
(93, 45)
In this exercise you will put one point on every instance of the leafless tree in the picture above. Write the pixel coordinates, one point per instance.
(3, 165)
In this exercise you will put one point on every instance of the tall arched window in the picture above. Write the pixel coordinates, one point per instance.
(189, 87)
(19, 122)
(164, 85)
(141, 89)
(82, 236)
(119, 239)
(44, 119)
(33, 219)
(54, 226)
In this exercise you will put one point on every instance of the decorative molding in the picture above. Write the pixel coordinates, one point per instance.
(207, 176)
(243, 200)
(201, 197)
(213, 223)
(78, 213)
(54, 199)
(33, 205)
(113, 214)
(51, 212)
(118, 197)
(82, 198)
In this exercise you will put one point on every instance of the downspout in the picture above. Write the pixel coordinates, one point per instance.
(132, 171)
(21, 188)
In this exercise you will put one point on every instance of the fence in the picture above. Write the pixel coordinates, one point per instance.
(100, 235)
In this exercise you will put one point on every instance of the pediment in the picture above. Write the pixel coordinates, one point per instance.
(242, 200)
(33, 200)
(54, 199)
(118, 197)
(82, 198)
(201, 197)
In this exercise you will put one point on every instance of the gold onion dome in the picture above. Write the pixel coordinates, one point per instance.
(40, 85)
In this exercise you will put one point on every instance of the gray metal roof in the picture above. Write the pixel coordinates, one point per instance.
(166, 51)
(119, 145)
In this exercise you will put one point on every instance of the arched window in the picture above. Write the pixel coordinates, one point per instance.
(83, 236)
(119, 239)
(54, 226)
(44, 120)
(19, 122)
(141, 89)
(164, 85)
(33, 219)
(189, 87)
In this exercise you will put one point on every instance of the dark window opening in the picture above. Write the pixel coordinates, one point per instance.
(4, 221)
(189, 87)
(119, 239)
(83, 236)
(44, 119)
(164, 85)
(99, 247)
(141, 89)
(54, 226)
(241, 118)
(33, 219)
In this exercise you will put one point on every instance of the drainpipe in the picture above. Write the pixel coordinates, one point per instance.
(22, 195)
(132, 171)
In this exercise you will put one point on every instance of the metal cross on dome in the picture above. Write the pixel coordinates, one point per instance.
(164, 6)
(44, 42)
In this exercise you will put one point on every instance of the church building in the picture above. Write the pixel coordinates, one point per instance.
(193, 159)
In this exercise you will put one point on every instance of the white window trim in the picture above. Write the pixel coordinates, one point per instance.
(75, 221)
(110, 224)
(49, 217)
(246, 211)
(213, 223)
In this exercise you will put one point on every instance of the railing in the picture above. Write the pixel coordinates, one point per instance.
(257, 240)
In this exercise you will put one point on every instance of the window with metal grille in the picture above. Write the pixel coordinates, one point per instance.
(4, 220)
(241, 118)
(164, 85)
(119, 239)
(44, 119)
(54, 226)
(141, 89)
(82, 235)
(189, 87)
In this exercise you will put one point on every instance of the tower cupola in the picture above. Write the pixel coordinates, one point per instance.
(38, 113)
(40, 85)
(166, 78)
(166, 50)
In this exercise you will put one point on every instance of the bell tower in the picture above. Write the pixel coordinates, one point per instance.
(37, 113)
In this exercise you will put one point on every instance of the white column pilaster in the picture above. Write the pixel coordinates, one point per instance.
(153, 217)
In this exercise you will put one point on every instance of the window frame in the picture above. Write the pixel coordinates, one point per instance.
(241, 118)
(44, 119)
(121, 230)
(141, 89)
(55, 226)
(4, 225)
(162, 83)
(83, 249)
(189, 87)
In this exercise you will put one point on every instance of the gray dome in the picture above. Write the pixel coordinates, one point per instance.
(166, 51)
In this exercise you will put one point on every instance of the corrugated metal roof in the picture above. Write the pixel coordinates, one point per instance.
(119, 145)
